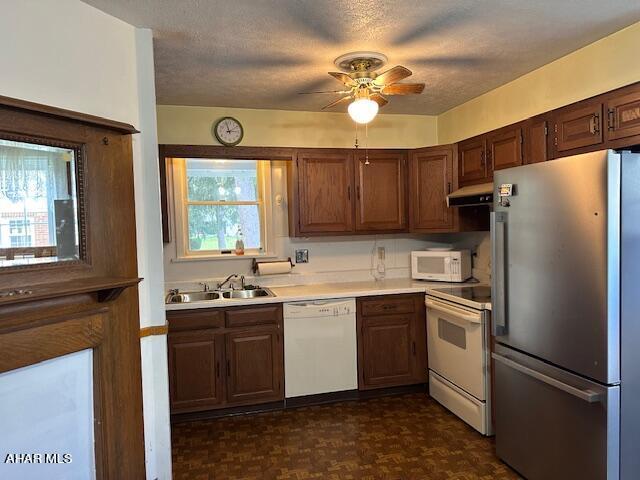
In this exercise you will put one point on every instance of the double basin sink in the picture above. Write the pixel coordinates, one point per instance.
(190, 297)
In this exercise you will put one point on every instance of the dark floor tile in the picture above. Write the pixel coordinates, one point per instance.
(408, 437)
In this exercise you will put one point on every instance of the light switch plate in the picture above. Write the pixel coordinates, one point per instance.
(302, 255)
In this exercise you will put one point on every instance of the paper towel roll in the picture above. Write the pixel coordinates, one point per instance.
(273, 268)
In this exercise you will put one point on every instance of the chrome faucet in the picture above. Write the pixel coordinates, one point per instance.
(222, 284)
(205, 286)
(241, 282)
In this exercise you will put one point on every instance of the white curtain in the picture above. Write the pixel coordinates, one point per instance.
(32, 171)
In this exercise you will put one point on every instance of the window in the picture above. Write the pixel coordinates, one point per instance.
(218, 202)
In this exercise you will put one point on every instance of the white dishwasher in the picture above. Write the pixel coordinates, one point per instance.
(320, 347)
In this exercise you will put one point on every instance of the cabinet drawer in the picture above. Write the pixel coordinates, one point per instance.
(388, 305)
(263, 315)
(195, 319)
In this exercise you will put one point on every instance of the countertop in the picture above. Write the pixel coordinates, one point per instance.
(321, 291)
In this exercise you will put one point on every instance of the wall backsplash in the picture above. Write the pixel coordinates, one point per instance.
(331, 259)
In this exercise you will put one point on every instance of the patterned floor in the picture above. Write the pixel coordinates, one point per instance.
(407, 437)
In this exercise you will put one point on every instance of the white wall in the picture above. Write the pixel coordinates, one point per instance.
(67, 54)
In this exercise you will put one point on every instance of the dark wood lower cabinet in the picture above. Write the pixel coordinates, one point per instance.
(195, 360)
(392, 347)
(254, 366)
(235, 362)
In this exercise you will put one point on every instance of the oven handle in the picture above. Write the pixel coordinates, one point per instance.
(456, 312)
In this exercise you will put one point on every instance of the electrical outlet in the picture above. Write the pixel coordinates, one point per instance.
(302, 255)
(381, 253)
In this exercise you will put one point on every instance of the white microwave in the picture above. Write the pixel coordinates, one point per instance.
(441, 266)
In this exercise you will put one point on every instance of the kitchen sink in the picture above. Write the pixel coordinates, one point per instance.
(190, 297)
(254, 293)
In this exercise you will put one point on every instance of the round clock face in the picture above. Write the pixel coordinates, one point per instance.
(228, 131)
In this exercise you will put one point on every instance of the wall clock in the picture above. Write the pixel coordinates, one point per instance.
(228, 131)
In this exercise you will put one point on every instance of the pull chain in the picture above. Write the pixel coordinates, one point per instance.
(356, 144)
(366, 144)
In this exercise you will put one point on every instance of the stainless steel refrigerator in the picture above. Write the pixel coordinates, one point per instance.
(566, 317)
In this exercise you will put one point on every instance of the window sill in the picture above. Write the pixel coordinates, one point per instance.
(231, 256)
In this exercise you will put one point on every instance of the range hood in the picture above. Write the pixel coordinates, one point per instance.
(481, 194)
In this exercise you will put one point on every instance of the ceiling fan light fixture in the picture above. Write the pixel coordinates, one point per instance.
(363, 110)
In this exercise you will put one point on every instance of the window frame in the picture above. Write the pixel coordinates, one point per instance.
(181, 205)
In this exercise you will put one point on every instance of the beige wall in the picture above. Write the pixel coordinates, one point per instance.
(609, 63)
(282, 128)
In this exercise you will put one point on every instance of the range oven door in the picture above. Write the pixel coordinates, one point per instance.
(551, 424)
(456, 340)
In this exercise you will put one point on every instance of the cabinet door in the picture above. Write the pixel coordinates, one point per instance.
(504, 148)
(578, 126)
(195, 380)
(254, 368)
(623, 115)
(472, 164)
(380, 191)
(430, 181)
(325, 189)
(387, 351)
(537, 150)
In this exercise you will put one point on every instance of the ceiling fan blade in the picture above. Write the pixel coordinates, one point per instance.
(335, 92)
(393, 75)
(344, 78)
(379, 99)
(336, 102)
(403, 89)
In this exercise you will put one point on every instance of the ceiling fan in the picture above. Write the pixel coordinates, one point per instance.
(366, 89)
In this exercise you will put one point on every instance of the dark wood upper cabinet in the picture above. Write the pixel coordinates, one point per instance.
(578, 126)
(536, 141)
(255, 366)
(195, 359)
(623, 114)
(505, 148)
(430, 181)
(472, 161)
(381, 191)
(325, 191)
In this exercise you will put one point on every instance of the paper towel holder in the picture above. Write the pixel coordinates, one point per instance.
(254, 265)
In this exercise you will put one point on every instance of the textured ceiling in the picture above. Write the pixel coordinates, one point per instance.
(259, 53)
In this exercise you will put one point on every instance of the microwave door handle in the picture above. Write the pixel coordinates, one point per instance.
(499, 273)
(453, 311)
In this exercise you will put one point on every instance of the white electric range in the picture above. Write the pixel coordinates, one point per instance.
(458, 347)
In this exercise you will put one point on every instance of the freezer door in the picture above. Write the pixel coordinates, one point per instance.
(556, 263)
(551, 424)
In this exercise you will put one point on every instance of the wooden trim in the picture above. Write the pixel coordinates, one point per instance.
(52, 340)
(238, 153)
(154, 330)
(106, 288)
(61, 113)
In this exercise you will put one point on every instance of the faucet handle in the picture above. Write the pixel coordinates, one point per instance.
(205, 286)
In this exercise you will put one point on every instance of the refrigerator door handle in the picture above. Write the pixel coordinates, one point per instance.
(588, 396)
(499, 285)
